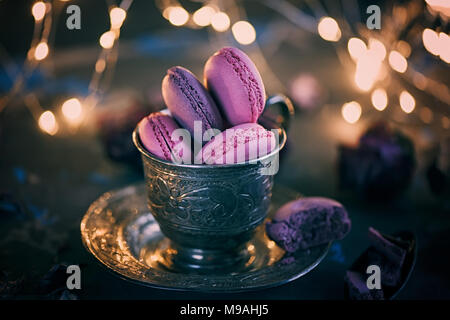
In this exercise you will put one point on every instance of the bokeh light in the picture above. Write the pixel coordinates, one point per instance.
(379, 99)
(47, 123)
(407, 102)
(329, 29)
(444, 47)
(351, 111)
(107, 39)
(72, 111)
(178, 16)
(426, 115)
(220, 21)
(367, 71)
(430, 41)
(397, 61)
(243, 32)
(117, 17)
(356, 48)
(377, 48)
(41, 51)
(202, 17)
(38, 10)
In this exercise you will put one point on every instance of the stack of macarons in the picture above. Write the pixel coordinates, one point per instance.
(218, 120)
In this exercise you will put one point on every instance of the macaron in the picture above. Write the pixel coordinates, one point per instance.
(236, 85)
(156, 134)
(189, 101)
(308, 222)
(240, 143)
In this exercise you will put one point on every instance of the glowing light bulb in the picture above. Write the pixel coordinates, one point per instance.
(444, 47)
(351, 111)
(377, 48)
(38, 10)
(72, 111)
(202, 17)
(356, 48)
(329, 29)
(379, 99)
(117, 17)
(220, 22)
(47, 123)
(243, 32)
(107, 39)
(397, 61)
(41, 51)
(407, 102)
(178, 16)
(367, 71)
(430, 41)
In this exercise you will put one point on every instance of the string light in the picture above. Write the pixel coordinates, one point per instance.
(377, 48)
(243, 32)
(117, 17)
(47, 123)
(329, 29)
(379, 99)
(407, 102)
(430, 41)
(38, 10)
(397, 61)
(72, 111)
(107, 39)
(178, 16)
(202, 17)
(41, 51)
(220, 21)
(351, 111)
(356, 48)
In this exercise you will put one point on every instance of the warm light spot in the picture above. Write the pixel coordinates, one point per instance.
(356, 48)
(379, 99)
(47, 123)
(426, 115)
(41, 51)
(377, 48)
(271, 244)
(202, 16)
(420, 81)
(117, 17)
(430, 41)
(404, 48)
(397, 61)
(38, 10)
(367, 71)
(107, 39)
(243, 32)
(351, 111)
(329, 29)
(444, 47)
(154, 257)
(220, 21)
(178, 16)
(251, 247)
(72, 111)
(407, 102)
(100, 65)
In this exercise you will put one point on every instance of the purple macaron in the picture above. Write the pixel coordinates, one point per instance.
(235, 83)
(155, 133)
(188, 101)
(308, 222)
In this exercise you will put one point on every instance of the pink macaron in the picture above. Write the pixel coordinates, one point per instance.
(156, 132)
(236, 85)
(189, 101)
(238, 144)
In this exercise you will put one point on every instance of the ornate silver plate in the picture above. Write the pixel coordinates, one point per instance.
(119, 230)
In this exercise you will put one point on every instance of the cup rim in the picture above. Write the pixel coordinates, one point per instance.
(143, 151)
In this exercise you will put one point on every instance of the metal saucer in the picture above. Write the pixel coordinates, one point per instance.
(119, 230)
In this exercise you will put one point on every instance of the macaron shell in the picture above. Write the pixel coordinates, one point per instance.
(188, 100)
(241, 143)
(155, 133)
(236, 85)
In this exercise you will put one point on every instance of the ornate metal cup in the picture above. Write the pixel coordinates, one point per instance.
(209, 212)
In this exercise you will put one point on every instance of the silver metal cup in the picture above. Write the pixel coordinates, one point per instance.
(209, 212)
